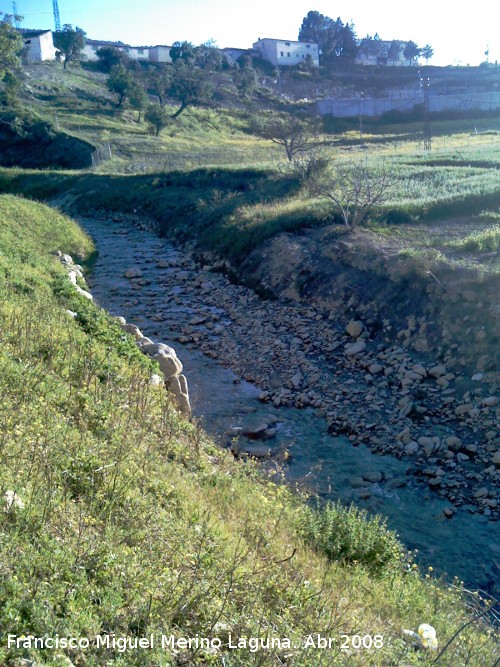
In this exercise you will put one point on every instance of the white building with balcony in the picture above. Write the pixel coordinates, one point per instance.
(286, 53)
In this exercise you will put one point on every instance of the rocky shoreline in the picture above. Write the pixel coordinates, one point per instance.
(170, 365)
(378, 393)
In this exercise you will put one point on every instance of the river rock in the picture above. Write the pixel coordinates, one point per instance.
(412, 447)
(463, 409)
(396, 483)
(490, 401)
(296, 380)
(256, 451)
(133, 272)
(358, 482)
(453, 443)
(254, 431)
(429, 445)
(355, 328)
(355, 348)
(373, 476)
(437, 371)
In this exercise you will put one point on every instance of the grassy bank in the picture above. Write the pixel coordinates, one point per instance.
(231, 211)
(128, 521)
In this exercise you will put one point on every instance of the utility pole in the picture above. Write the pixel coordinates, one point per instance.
(424, 87)
(427, 118)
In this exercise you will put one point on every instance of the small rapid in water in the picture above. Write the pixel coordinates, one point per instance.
(464, 546)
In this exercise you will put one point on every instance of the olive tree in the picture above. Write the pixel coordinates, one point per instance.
(295, 133)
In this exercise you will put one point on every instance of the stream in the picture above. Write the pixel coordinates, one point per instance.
(331, 466)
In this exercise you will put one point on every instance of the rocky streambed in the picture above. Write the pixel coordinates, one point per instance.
(357, 417)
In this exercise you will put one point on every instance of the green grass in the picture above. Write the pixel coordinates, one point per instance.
(485, 241)
(133, 522)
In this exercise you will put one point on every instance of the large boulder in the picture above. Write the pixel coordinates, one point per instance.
(179, 388)
(170, 364)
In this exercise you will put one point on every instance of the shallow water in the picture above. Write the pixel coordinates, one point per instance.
(465, 546)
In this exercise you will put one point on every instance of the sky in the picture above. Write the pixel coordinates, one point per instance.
(460, 33)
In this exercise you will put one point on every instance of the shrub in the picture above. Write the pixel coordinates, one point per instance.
(349, 535)
(156, 118)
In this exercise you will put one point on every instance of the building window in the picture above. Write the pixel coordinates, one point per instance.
(287, 43)
(288, 54)
(281, 54)
(308, 46)
(140, 50)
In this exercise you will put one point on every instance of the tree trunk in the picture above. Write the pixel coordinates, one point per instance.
(179, 110)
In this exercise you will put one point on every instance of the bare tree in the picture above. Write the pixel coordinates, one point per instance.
(297, 135)
(354, 188)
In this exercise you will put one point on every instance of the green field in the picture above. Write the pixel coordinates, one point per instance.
(207, 178)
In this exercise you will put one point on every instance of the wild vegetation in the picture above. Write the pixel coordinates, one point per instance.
(120, 518)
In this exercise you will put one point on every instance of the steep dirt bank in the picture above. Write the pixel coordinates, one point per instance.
(450, 314)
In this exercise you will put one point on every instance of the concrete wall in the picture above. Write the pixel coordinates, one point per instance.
(370, 106)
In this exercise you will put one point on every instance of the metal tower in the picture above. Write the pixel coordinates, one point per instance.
(57, 20)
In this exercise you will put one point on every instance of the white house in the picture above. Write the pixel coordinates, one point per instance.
(133, 52)
(160, 54)
(93, 45)
(138, 52)
(285, 53)
(39, 45)
(382, 52)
